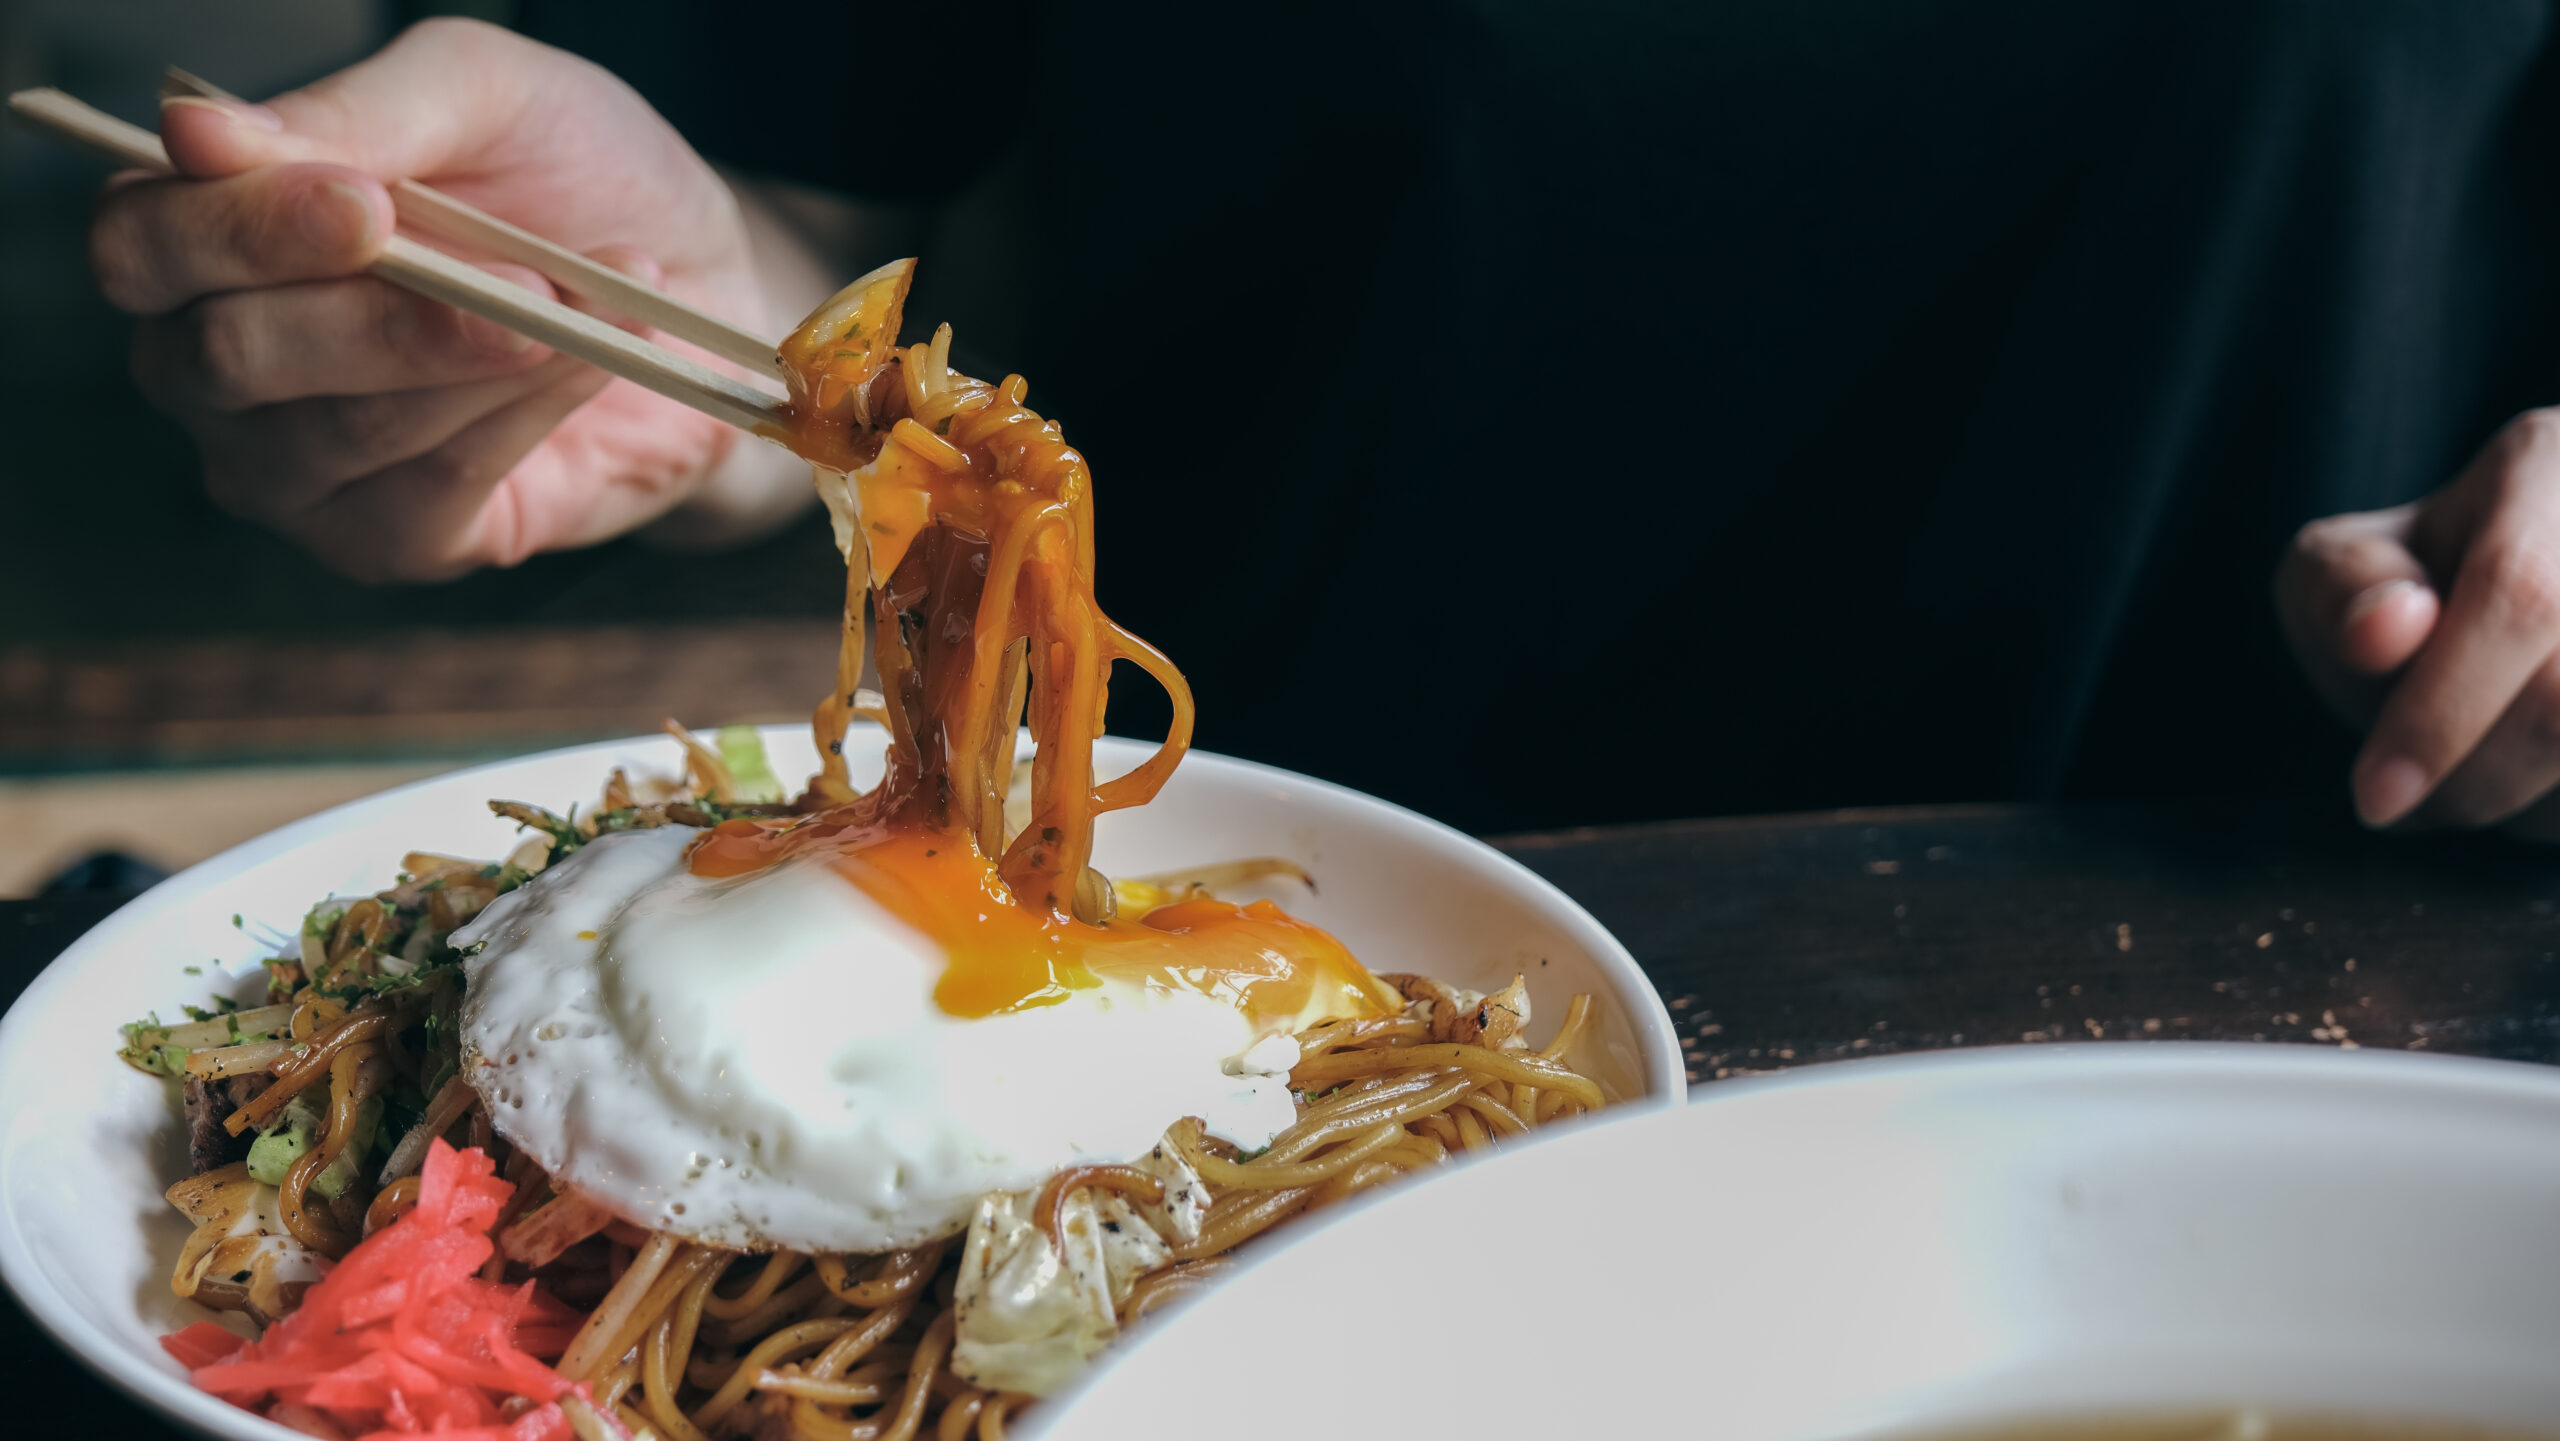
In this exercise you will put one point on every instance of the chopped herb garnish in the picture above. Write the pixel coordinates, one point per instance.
(563, 830)
(385, 984)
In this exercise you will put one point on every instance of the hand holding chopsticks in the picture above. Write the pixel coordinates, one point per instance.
(436, 213)
(430, 272)
(289, 313)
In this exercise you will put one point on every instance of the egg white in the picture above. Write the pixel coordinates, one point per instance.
(759, 1061)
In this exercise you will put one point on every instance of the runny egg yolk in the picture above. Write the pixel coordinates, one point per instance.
(1280, 972)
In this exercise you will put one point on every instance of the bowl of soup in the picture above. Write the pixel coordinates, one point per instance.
(2103, 1242)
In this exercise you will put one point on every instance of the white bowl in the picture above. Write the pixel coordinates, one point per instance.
(1920, 1245)
(87, 1145)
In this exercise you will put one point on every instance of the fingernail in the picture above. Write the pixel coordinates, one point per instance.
(2388, 788)
(2374, 598)
(258, 116)
(336, 217)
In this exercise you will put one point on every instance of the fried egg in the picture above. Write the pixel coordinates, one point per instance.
(775, 1058)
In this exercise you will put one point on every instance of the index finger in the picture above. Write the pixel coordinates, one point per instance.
(443, 90)
(157, 244)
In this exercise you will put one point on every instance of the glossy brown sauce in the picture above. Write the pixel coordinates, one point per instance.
(1281, 972)
(971, 585)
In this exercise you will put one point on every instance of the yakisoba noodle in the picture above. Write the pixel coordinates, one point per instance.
(967, 525)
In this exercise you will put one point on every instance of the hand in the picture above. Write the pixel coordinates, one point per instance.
(396, 437)
(2437, 625)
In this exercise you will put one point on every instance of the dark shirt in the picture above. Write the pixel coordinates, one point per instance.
(1545, 414)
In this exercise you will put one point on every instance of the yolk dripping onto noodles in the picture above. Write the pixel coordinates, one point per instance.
(967, 523)
(1004, 955)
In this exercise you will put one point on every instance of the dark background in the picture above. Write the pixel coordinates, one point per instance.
(1537, 418)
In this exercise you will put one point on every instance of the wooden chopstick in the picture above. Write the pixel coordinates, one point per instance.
(412, 266)
(441, 215)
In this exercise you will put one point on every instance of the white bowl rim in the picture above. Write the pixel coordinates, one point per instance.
(106, 1356)
(2373, 1071)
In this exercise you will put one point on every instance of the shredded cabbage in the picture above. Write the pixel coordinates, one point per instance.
(750, 772)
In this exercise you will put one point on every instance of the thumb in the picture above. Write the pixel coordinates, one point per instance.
(208, 139)
(2382, 625)
(2351, 587)
(438, 95)
(2355, 602)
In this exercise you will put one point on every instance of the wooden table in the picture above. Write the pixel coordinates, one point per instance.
(1785, 941)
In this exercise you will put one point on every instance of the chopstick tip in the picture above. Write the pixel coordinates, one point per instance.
(33, 99)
